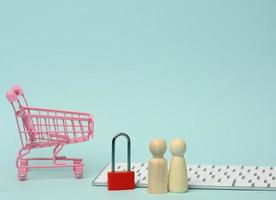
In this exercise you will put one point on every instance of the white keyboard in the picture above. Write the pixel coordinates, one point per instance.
(207, 176)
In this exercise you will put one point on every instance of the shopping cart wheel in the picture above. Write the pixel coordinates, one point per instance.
(22, 174)
(24, 163)
(78, 171)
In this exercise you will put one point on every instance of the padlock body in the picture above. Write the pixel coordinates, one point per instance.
(120, 180)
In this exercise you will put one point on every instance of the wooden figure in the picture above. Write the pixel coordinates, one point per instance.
(158, 168)
(178, 181)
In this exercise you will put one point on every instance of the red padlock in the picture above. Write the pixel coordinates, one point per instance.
(120, 180)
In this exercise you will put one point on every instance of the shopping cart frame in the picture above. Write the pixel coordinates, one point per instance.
(46, 128)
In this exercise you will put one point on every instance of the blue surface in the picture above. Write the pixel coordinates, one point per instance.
(200, 70)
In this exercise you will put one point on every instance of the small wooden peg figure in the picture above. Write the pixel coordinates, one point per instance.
(178, 181)
(158, 168)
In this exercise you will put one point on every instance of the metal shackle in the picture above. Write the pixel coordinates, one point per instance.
(113, 151)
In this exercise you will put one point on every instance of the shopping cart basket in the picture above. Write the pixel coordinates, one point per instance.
(45, 128)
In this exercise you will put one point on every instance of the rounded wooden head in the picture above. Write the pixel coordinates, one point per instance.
(178, 147)
(158, 147)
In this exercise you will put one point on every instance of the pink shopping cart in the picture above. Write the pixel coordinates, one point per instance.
(45, 128)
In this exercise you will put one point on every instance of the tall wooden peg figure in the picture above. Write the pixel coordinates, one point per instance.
(158, 168)
(178, 181)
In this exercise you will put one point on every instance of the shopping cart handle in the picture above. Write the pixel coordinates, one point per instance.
(18, 90)
(11, 96)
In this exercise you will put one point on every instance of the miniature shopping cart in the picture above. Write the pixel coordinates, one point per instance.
(45, 128)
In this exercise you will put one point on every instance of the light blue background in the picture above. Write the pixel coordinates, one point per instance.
(200, 70)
